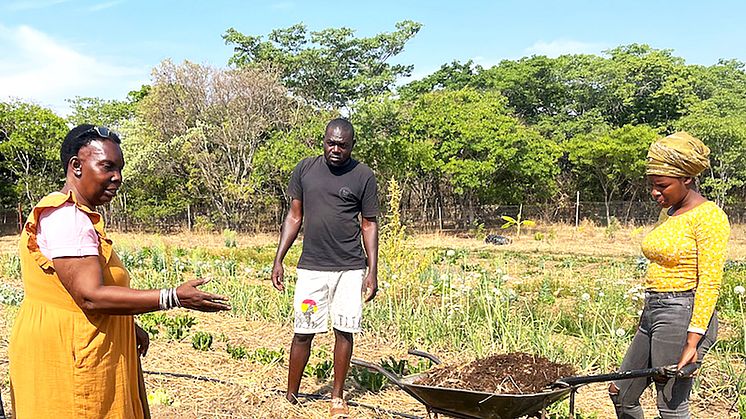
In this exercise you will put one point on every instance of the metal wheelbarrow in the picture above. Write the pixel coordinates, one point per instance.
(470, 404)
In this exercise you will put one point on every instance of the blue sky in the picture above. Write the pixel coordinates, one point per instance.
(51, 50)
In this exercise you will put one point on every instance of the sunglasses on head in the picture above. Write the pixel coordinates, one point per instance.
(102, 132)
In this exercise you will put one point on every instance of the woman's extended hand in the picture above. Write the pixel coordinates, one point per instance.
(195, 299)
(142, 340)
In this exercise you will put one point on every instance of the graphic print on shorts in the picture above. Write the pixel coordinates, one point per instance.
(308, 307)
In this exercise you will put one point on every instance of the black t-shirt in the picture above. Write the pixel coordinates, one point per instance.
(333, 197)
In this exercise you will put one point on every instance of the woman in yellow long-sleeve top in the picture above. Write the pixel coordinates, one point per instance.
(74, 346)
(687, 250)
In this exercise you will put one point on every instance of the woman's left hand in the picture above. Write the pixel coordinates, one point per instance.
(143, 340)
(689, 353)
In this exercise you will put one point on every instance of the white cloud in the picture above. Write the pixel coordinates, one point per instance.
(283, 5)
(32, 4)
(35, 67)
(564, 46)
(101, 6)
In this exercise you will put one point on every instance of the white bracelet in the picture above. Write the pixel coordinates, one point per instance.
(173, 301)
(163, 299)
(176, 298)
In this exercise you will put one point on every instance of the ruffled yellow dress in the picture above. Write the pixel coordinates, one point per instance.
(64, 363)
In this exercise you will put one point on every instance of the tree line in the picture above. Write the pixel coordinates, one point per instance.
(220, 143)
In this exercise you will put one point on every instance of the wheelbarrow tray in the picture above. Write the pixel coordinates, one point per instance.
(470, 404)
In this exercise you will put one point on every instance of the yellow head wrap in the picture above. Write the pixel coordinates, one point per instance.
(678, 155)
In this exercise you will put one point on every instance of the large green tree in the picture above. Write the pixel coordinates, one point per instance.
(330, 68)
(614, 161)
(110, 113)
(30, 141)
(484, 153)
(720, 122)
(221, 118)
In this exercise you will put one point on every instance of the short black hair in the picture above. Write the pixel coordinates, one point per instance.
(342, 124)
(79, 137)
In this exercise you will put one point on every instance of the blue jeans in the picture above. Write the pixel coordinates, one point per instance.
(658, 342)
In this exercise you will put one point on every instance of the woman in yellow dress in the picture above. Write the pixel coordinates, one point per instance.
(687, 251)
(74, 345)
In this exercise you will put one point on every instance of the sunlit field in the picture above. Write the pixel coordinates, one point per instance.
(571, 295)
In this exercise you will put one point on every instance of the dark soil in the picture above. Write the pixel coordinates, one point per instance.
(513, 373)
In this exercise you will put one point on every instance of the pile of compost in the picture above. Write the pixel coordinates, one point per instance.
(513, 373)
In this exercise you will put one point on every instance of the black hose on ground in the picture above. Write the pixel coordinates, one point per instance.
(193, 377)
(313, 396)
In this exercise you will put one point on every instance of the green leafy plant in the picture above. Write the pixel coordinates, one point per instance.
(10, 295)
(369, 380)
(150, 322)
(612, 228)
(177, 327)
(321, 370)
(236, 352)
(518, 222)
(266, 356)
(10, 266)
(160, 396)
(477, 230)
(230, 238)
(202, 341)
(403, 367)
(203, 224)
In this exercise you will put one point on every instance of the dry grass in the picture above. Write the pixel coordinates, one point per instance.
(254, 390)
(190, 239)
(586, 240)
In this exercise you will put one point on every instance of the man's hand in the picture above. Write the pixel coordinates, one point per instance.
(142, 340)
(277, 276)
(370, 286)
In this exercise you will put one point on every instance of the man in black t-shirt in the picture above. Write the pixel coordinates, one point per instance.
(329, 194)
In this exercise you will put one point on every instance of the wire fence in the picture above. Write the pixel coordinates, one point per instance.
(444, 218)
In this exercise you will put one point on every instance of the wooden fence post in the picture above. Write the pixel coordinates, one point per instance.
(440, 216)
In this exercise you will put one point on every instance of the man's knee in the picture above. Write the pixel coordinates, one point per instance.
(303, 338)
(339, 334)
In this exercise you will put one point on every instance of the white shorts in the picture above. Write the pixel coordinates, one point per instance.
(319, 294)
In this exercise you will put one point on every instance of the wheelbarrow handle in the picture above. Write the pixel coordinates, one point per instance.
(669, 371)
(687, 370)
(388, 374)
(623, 375)
(424, 354)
